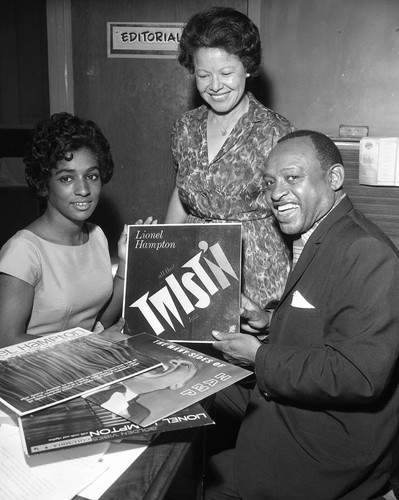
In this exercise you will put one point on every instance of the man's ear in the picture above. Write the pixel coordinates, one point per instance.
(336, 176)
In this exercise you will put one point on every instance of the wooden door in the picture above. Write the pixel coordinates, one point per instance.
(135, 102)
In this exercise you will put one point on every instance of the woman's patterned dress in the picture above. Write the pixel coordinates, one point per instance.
(231, 188)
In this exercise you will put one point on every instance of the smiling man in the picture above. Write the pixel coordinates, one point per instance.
(321, 421)
(303, 183)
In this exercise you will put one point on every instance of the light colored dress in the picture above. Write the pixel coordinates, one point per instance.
(72, 283)
(231, 188)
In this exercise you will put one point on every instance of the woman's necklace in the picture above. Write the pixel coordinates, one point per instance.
(222, 128)
(238, 112)
(81, 235)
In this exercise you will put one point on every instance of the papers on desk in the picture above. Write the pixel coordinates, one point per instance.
(184, 377)
(117, 460)
(61, 474)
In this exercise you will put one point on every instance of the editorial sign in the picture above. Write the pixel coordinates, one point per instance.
(145, 40)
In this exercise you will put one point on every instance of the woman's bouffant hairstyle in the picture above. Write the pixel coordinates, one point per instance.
(225, 28)
(56, 139)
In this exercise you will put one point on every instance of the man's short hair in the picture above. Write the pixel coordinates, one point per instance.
(326, 151)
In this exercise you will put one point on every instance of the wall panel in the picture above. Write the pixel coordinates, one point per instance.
(379, 203)
(332, 62)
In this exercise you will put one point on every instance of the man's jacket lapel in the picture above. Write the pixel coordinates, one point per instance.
(313, 244)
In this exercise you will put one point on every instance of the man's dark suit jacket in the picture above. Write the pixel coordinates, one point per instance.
(324, 414)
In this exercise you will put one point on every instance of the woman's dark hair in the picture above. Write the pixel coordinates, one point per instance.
(56, 139)
(225, 28)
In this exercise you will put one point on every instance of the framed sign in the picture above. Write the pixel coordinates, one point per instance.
(145, 40)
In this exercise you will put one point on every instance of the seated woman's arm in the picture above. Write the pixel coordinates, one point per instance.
(176, 213)
(113, 309)
(16, 302)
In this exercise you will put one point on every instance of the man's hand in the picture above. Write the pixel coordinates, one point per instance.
(237, 348)
(253, 318)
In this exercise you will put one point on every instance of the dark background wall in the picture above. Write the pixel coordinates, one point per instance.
(332, 62)
(325, 63)
(24, 92)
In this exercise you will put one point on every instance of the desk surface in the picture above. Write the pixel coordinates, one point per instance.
(149, 477)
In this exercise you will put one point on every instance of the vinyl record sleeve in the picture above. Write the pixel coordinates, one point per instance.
(186, 377)
(47, 370)
(183, 280)
(79, 422)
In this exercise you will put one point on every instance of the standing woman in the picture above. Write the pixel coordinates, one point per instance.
(56, 273)
(219, 148)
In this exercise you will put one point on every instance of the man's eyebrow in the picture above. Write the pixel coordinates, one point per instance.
(290, 168)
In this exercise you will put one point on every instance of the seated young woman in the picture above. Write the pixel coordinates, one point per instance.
(56, 273)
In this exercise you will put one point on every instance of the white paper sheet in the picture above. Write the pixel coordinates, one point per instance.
(117, 459)
(58, 475)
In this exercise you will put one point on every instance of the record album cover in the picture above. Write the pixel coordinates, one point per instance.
(183, 280)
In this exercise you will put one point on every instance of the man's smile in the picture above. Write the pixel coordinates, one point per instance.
(287, 209)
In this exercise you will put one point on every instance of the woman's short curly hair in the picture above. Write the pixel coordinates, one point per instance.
(56, 139)
(225, 28)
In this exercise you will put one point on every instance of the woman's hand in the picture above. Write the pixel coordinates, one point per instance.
(149, 220)
(122, 244)
(114, 332)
